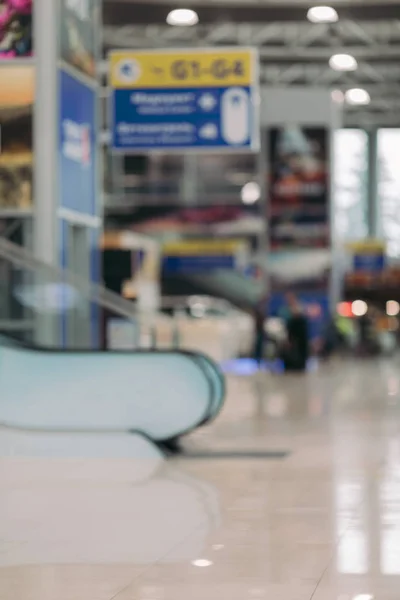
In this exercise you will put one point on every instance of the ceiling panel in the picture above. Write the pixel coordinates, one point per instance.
(292, 50)
(117, 12)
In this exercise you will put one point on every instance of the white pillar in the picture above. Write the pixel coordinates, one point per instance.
(45, 129)
(46, 50)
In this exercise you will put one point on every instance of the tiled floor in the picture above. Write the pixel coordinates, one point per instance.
(322, 524)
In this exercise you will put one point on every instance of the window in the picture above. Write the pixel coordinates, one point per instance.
(350, 196)
(389, 189)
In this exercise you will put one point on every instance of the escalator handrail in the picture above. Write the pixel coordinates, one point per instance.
(219, 391)
(106, 299)
(191, 356)
(92, 291)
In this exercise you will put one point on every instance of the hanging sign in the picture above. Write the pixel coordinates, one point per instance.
(199, 99)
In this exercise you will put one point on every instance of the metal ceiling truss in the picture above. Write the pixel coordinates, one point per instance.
(297, 54)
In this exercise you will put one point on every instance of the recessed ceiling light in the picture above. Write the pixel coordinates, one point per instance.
(322, 14)
(343, 62)
(182, 17)
(357, 97)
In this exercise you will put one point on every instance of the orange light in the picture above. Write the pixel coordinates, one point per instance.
(344, 309)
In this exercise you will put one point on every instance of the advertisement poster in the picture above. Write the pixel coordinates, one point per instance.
(79, 33)
(77, 177)
(199, 98)
(299, 220)
(16, 137)
(15, 29)
(77, 153)
(299, 188)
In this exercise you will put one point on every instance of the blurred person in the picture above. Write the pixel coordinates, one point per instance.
(296, 351)
(259, 315)
(259, 336)
(367, 331)
(333, 338)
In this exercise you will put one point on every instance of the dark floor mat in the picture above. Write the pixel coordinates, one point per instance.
(233, 454)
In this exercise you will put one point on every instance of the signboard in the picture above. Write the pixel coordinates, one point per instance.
(198, 99)
(199, 256)
(299, 187)
(77, 139)
(197, 264)
(370, 263)
(369, 256)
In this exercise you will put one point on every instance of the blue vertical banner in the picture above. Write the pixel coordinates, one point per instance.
(78, 155)
(77, 152)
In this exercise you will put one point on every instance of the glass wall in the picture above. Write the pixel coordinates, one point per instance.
(350, 185)
(388, 197)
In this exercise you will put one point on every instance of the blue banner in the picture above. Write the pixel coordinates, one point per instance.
(370, 263)
(197, 264)
(187, 118)
(77, 145)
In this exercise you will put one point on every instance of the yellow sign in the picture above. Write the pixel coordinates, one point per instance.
(183, 68)
(367, 247)
(204, 248)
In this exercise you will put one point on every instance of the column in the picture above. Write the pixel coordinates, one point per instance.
(373, 212)
(45, 166)
(68, 211)
(298, 127)
(46, 35)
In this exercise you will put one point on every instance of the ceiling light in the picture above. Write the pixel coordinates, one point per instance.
(202, 562)
(182, 17)
(357, 97)
(343, 62)
(251, 193)
(322, 14)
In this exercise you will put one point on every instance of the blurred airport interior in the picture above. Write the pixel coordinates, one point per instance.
(199, 300)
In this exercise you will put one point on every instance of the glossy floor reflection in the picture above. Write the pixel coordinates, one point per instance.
(321, 524)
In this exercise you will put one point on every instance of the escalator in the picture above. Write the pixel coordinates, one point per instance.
(49, 384)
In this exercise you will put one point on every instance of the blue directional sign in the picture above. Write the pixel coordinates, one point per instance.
(201, 99)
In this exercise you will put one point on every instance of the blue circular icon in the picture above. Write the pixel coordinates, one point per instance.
(128, 70)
